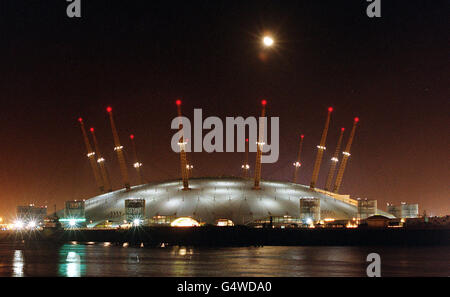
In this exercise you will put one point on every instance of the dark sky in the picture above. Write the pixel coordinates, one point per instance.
(139, 56)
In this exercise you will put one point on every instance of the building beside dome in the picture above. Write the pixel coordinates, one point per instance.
(213, 200)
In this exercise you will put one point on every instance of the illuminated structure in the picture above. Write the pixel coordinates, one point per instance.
(346, 154)
(212, 199)
(136, 164)
(320, 149)
(91, 157)
(101, 162)
(334, 161)
(259, 147)
(119, 150)
(298, 164)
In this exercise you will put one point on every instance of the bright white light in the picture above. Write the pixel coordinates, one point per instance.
(18, 263)
(321, 147)
(73, 264)
(297, 164)
(309, 221)
(137, 165)
(334, 159)
(136, 222)
(118, 148)
(346, 153)
(268, 41)
(32, 224)
(245, 166)
(18, 224)
(91, 154)
(72, 223)
(100, 160)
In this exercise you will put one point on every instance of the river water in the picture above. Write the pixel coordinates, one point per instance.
(104, 259)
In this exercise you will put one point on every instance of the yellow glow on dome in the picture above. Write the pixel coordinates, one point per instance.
(184, 222)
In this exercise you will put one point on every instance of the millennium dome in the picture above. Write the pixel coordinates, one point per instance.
(212, 199)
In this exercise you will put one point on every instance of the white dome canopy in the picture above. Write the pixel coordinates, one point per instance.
(210, 199)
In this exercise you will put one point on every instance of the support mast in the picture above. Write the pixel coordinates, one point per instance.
(91, 157)
(259, 147)
(346, 154)
(101, 162)
(119, 150)
(136, 164)
(320, 149)
(182, 143)
(298, 164)
(334, 161)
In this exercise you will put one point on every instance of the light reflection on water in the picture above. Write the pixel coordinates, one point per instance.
(71, 260)
(18, 263)
(75, 260)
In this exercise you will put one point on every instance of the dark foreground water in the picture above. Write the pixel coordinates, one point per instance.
(102, 259)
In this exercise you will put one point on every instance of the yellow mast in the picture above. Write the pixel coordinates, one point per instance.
(245, 166)
(259, 147)
(136, 164)
(346, 154)
(182, 144)
(91, 157)
(119, 150)
(334, 161)
(320, 149)
(101, 162)
(298, 164)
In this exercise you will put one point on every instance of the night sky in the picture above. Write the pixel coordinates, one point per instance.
(140, 56)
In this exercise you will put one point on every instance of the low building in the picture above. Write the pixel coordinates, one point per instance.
(377, 221)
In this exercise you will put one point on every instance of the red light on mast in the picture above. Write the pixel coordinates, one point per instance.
(302, 136)
(109, 109)
(342, 129)
(356, 119)
(80, 120)
(246, 140)
(264, 102)
(330, 109)
(131, 136)
(178, 102)
(92, 129)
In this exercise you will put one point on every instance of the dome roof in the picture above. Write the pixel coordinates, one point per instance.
(210, 199)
